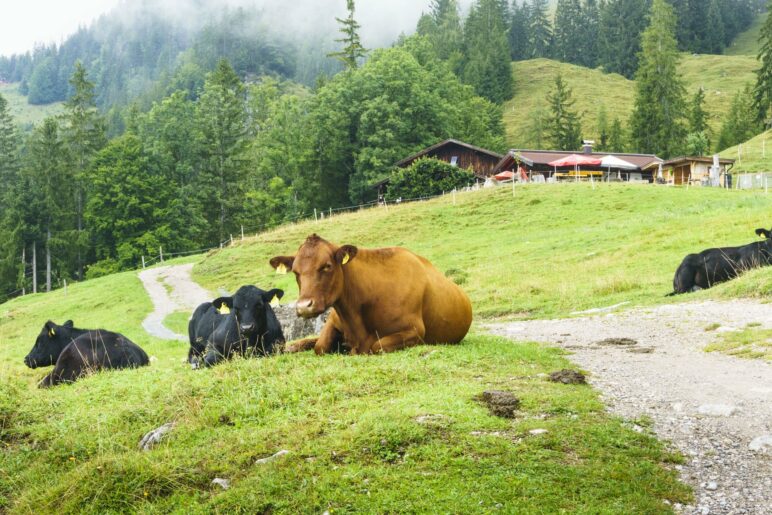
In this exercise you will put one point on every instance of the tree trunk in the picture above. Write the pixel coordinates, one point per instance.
(48, 260)
(34, 267)
(79, 195)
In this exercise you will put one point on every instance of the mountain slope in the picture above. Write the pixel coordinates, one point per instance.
(721, 76)
(755, 155)
(747, 43)
(23, 113)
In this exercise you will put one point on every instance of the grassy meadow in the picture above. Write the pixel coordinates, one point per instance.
(747, 43)
(392, 433)
(27, 115)
(722, 76)
(755, 155)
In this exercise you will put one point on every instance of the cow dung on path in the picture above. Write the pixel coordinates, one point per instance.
(567, 376)
(621, 342)
(501, 403)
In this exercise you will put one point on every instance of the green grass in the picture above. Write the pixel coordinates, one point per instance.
(178, 322)
(747, 43)
(751, 342)
(722, 77)
(549, 251)
(27, 115)
(755, 155)
(350, 423)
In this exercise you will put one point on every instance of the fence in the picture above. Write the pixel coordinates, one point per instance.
(749, 181)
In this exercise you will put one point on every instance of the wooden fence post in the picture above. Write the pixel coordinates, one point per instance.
(143, 262)
(161, 253)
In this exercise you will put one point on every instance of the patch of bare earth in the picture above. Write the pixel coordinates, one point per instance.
(715, 409)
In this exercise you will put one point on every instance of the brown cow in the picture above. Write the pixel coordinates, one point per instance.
(384, 299)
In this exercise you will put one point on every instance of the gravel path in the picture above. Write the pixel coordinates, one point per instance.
(713, 407)
(171, 289)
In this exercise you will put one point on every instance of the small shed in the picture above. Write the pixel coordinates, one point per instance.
(694, 170)
(457, 153)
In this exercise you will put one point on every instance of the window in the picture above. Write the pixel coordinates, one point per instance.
(454, 161)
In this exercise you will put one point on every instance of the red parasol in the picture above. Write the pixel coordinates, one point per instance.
(504, 176)
(576, 160)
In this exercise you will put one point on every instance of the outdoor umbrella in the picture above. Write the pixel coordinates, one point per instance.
(615, 162)
(576, 161)
(504, 176)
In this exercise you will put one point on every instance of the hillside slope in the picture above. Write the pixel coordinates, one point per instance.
(754, 155)
(23, 113)
(721, 76)
(356, 428)
(747, 43)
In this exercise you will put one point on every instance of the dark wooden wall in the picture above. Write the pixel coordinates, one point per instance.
(482, 164)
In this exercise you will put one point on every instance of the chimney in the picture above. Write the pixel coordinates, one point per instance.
(587, 146)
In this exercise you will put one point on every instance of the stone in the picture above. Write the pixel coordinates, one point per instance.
(153, 437)
(222, 483)
(269, 459)
(567, 376)
(761, 443)
(501, 403)
(717, 410)
(535, 432)
(434, 420)
(711, 486)
(295, 327)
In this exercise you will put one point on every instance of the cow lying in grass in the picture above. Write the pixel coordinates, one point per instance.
(712, 266)
(384, 299)
(76, 352)
(250, 327)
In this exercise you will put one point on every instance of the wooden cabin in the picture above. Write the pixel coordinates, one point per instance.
(457, 153)
(693, 170)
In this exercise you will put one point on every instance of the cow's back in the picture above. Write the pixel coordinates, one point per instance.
(447, 310)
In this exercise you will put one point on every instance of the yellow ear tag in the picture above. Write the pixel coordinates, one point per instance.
(274, 300)
(51, 333)
(224, 309)
(346, 258)
(281, 269)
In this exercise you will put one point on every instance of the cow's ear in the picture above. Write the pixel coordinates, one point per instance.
(270, 295)
(282, 264)
(345, 254)
(68, 324)
(764, 233)
(50, 328)
(223, 301)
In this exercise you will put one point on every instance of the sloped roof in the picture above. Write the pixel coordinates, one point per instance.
(441, 144)
(543, 157)
(697, 159)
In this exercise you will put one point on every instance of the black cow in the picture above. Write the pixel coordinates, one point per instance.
(75, 352)
(251, 326)
(711, 266)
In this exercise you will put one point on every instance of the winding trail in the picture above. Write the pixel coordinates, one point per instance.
(171, 288)
(715, 409)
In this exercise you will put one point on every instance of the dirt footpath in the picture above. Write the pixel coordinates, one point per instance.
(716, 409)
(171, 289)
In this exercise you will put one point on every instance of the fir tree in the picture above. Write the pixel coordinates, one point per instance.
(616, 137)
(563, 127)
(487, 66)
(741, 124)
(657, 122)
(519, 32)
(352, 50)
(713, 38)
(589, 34)
(9, 149)
(540, 30)
(762, 93)
(619, 44)
(568, 32)
(698, 118)
(603, 129)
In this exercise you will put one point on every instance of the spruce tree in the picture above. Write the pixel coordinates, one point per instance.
(9, 149)
(698, 118)
(563, 126)
(568, 32)
(487, 66)
(603, 129)
(352, 50)
(741, 123)
(540, 30)
(657, 122)
(616, 137)
(85, 135)
(762, 93)
(519, 31)
(713, 37)
(619, 38)
(588, 34)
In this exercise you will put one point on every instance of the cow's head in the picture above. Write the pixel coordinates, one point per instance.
(318, 268)
(248, 305)
(50, 343)
(767, 234)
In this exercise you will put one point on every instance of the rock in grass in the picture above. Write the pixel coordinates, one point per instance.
(153, 437)
(567, 376)
(269, 459)
(501, 403)
(222, 483)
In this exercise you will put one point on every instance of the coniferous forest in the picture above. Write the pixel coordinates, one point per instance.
(181, 135)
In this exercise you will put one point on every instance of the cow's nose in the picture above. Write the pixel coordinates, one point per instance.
(305, 308)
(246, 328)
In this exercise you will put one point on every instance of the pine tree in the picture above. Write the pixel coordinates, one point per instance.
(713, 37)
(622, 23)
(616, 137)
(588, 34)
(657, 121)
(9, 149)
(563, 126)
(85, 136)
(741, 123)
(603, 129)
(762, 93)
(487, 66)
(698, 118)
(540, 30)
(352, 50)
(519, 32)
(568, 32)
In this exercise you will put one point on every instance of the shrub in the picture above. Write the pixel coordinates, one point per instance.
(427, 177)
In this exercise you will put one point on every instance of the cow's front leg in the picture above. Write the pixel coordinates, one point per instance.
(399, 340)
(300, 345)
(331, 336)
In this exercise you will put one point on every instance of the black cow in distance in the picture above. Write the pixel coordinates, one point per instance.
(76, 352)
(712, 266)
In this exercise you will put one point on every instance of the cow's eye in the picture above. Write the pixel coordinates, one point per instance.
(326, 268)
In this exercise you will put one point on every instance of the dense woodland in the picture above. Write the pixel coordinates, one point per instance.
(179, 137)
